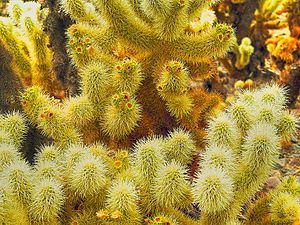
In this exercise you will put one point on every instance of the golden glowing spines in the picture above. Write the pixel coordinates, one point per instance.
(121, 116)
(79, 10)
(96, 83)
(15, 126)
(127, 25)
(40, 54)
(180, 195)
(33, 100)
(173, 86)
(52, 121)
(15, 10)
(123, 197)
(171, 26)
(80, 111)
(204, 46)
(127, 76)
(21, 60)
(89, 43)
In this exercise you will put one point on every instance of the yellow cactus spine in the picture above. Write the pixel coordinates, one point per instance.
(156, 9)
(33, 100)
(284, 209)
(222, 131)
(180, 146)
(262, 149)
(173, 80)
(130, 28)
(148, 158)
(53, 123)
(21, 60)
(213, 190)
(204, 46)
(88, 177)
(95, 83)
(173, 87)
(278, 206)
(11, 211)
(122, 116)
(15, 125)
(127, 76)
(80, 111)
(47, 170)
(287, 125)
(87, 44)
(123, 197)
(153, 180)
(49, 117)
(15, 10)
(171, 25)
(139, 83)
(47, 201)
(172, 175)
(19, 177)
(219, 157)
(79, 11)
(41, 55)
(8, 155)
(240, 114)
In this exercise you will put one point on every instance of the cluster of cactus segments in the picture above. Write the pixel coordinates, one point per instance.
(23, 36)
(137, 61)
(279, 206)
(151, 182)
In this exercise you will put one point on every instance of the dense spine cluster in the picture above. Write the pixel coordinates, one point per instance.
(133, 59)
(153, 182)
(23, 36)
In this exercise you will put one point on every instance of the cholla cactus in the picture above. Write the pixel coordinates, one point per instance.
(136, 61)
(22, 34)
(14, 126)
(47, 201)
(180, 146)
(172, 175)
(279, 206)
(251, 151)
(96, 185)
(48, 115)
(243, 53)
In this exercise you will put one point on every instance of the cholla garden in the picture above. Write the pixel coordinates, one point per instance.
(126, 150)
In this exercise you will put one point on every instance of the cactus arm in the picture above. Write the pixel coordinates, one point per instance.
(88, 43)
(21, 60)
(79, 11)
(123, 197)
(156, 8)
(15, 10)
(243, 53)
(172, 25)
(33, 100)
(214, 43)
(126, 25)
(41, 56)
(103, 37)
